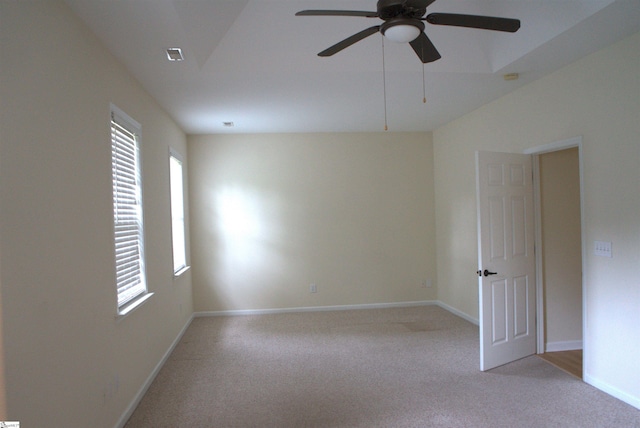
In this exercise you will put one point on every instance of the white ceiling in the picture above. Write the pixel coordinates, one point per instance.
(254, 63)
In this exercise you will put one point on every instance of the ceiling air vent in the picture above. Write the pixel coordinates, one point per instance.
(175, 54)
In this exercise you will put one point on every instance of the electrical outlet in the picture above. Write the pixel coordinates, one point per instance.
(313, 288)
(426, 283)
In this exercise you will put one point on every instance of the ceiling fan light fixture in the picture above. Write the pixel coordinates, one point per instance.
(402, 30)
(402, 33)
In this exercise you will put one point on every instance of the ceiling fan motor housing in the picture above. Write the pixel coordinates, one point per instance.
(388, 9)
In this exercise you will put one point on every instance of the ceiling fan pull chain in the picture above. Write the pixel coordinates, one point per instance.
(384, 86)
(424, 84)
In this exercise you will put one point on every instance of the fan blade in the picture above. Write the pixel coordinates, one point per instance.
(474, 21)
(337, 13)
(426, 51)
(349, 41)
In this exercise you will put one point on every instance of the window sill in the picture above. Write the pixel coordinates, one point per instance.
(181, 271)
(122, 313)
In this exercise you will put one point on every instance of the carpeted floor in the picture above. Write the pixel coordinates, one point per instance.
(404, 367)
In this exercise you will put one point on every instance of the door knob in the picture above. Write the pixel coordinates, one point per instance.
(487, 272)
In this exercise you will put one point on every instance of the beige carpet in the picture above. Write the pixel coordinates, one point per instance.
(409, 367)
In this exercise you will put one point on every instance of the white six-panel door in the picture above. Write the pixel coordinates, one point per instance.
(506, 260)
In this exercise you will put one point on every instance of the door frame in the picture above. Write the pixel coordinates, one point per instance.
(536, 151)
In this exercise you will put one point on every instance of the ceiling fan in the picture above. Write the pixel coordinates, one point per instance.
(403, 24)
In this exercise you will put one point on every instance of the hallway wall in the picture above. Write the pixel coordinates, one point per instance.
(561, 249)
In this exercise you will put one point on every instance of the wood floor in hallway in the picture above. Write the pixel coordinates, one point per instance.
(569, 361)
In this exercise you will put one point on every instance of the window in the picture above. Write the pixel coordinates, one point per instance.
(177, 214)
(127, 211)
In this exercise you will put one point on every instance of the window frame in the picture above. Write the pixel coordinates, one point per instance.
(131, 143)
(181, 268)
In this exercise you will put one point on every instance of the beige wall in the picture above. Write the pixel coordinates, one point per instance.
(68, 361)
(273, 213)
(597, 97)
(561, 248)
(352, 213)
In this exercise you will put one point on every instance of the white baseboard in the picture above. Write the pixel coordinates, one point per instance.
(315, 308)
(338, 308)
(613, 391)
(569, 345)
(145, 386)
(458, 313)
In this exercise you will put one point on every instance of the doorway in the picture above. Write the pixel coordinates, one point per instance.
(560, 255)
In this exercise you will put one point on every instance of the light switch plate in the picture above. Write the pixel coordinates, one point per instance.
(603, 249)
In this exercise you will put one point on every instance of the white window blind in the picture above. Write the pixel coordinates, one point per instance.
(127, 210)
(177, 214)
